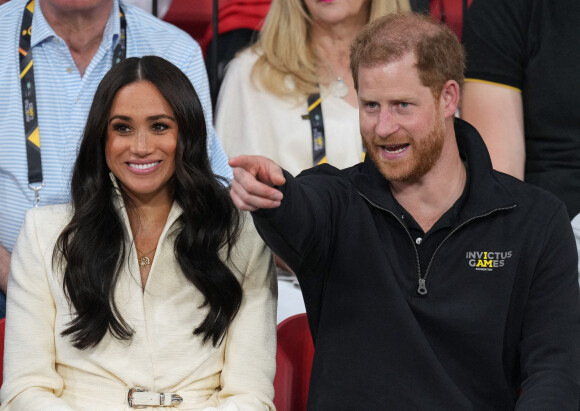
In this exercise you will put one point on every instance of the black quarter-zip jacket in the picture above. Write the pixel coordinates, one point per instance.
(492, 324)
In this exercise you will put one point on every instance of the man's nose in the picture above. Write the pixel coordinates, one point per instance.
(387, 124)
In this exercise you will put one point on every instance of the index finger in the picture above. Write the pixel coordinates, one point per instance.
(247, 185)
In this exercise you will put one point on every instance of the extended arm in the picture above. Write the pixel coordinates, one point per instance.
(296, 218)
(496, 112)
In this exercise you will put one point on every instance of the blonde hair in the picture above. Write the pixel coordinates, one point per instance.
(284, 46)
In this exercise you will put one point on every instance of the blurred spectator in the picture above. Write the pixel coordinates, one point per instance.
(302, 51)
(520, 93)
(238, 24)
(73, 44)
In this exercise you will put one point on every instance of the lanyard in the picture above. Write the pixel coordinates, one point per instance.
(317, 128)
(29, 106)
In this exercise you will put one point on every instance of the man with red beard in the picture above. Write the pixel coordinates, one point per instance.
(431, 281)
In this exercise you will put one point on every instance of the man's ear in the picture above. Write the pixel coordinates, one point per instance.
(449, 98)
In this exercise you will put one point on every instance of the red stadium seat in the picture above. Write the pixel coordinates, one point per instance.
(449, 12)
(2, 325)
(293, 364)
(193, 17)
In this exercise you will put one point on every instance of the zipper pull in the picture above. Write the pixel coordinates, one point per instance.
(422, 287)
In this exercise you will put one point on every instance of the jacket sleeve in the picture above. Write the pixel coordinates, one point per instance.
(301, 230)
(30, 379)
(250, 352)
(550, 344)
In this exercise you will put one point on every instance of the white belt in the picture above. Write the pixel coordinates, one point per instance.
(141, 398)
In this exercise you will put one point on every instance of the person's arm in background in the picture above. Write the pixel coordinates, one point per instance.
(495, 38)
(496, 112)
(4, 268)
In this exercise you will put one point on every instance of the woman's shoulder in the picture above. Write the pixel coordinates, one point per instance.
(244, 61)
(248, 56)
(55, 211)
(248, 247)
(41, 229)
(249, 237)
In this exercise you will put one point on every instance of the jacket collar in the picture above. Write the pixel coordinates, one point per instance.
(173, 216)
(486, 192)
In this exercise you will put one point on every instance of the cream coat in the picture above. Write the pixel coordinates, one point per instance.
(43, 371)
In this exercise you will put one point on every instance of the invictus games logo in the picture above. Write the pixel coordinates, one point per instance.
(487, 260)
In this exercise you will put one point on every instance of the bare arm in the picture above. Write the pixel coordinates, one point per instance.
(254, 178)
(4, 268)
(497, 113)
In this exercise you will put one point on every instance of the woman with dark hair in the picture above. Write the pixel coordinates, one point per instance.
(149, 289)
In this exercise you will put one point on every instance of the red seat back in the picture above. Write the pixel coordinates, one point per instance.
(191, 16)
(293, 364)
(2, 326)
(450, 12)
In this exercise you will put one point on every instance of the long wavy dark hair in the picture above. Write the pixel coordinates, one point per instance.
(91, 248)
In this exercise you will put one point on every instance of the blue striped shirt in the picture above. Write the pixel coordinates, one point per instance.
(64, 99)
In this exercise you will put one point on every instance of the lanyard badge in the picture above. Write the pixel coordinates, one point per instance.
(28, 91)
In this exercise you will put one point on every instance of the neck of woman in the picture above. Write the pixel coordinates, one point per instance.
(148, 219)
(331, 43)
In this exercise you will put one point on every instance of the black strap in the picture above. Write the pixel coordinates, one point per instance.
(29, 98)
(463, 14)
(120, 52)
(28, 91)
(214, 75)
(317, 127)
